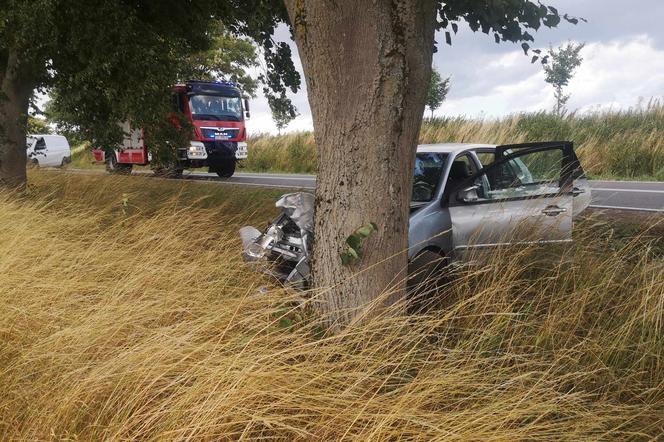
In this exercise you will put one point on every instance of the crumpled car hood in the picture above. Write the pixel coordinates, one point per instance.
(300, 208)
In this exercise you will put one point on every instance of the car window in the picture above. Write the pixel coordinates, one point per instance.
(426, 176)
(40, 144)
(461, 169)
(533, 174)
(485, 158)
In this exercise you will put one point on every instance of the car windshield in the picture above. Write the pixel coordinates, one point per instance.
(428, 170)
(215, 107)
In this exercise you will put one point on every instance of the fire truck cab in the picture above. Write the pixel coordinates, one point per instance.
(217, 112)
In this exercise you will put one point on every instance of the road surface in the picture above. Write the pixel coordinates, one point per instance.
(625, 195)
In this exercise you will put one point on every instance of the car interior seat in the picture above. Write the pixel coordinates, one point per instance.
(458, 172)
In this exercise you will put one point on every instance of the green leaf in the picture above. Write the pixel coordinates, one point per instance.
(365, 230)
(354, 241)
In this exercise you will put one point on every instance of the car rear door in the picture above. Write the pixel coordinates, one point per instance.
(524, 196)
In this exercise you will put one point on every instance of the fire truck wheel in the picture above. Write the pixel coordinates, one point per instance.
(227, 170)
(112, 166)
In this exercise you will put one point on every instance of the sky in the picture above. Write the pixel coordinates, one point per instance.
(623, 66)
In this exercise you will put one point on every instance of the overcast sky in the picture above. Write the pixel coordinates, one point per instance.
(623, 64)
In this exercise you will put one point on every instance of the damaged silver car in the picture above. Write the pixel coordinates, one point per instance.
(465, 198)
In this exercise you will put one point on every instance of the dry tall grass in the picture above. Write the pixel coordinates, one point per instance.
(134, 318)
(624, 144)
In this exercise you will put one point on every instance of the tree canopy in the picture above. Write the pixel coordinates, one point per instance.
(228, 58)
(113, 60)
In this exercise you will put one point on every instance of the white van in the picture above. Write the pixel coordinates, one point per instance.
(48, 150)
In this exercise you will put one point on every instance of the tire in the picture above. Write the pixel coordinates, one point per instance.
(65, 161)
(226, 170)
(112, 166)
(426, 279)
(34, 163)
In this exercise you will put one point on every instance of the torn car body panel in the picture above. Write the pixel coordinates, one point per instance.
(283, 249)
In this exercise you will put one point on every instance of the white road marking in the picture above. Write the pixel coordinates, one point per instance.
(626, 190)
(638, 209)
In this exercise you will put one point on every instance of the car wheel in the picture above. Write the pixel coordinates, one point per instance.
(112, 165)
(425, 279)
(34, 163)
(226, 170)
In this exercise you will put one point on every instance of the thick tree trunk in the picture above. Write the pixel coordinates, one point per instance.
(14, 101)
(367, 67)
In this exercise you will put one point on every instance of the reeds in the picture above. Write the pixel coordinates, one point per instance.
(126, 313)
(611, 144)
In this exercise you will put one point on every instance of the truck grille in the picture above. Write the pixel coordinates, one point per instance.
(221, 133)
(220, 148)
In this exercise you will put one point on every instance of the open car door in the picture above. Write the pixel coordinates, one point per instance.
(524, 196)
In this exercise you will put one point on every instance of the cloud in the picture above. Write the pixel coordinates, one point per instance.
(613, 75)
(617, 74)
(621, 65)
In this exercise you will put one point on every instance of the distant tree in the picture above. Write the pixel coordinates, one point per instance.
(438, 89)
(228, 58)
(38, 126)
(559, 70)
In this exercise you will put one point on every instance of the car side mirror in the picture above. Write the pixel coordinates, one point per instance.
(468, 195)
(247, 115)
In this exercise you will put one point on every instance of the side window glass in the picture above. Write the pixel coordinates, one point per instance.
(485, 158)
(532, 174)
(462, 167)
(40, 145)
(426, 175)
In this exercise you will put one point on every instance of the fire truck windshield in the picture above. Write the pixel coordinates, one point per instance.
(215, 107)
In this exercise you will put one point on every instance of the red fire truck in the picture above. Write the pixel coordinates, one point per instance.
(217, 111)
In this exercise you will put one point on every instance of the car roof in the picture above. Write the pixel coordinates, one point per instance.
(47, 136)
(452, 147)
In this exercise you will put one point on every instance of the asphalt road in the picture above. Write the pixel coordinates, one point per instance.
(625, 195)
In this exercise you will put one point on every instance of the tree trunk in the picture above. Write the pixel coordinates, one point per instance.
(367, 73)
(14, 101)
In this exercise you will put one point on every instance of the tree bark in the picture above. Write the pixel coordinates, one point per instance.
(367, 66)
(14, 101)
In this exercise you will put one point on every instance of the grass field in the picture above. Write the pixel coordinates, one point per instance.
(613, 145)
(126, 313)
